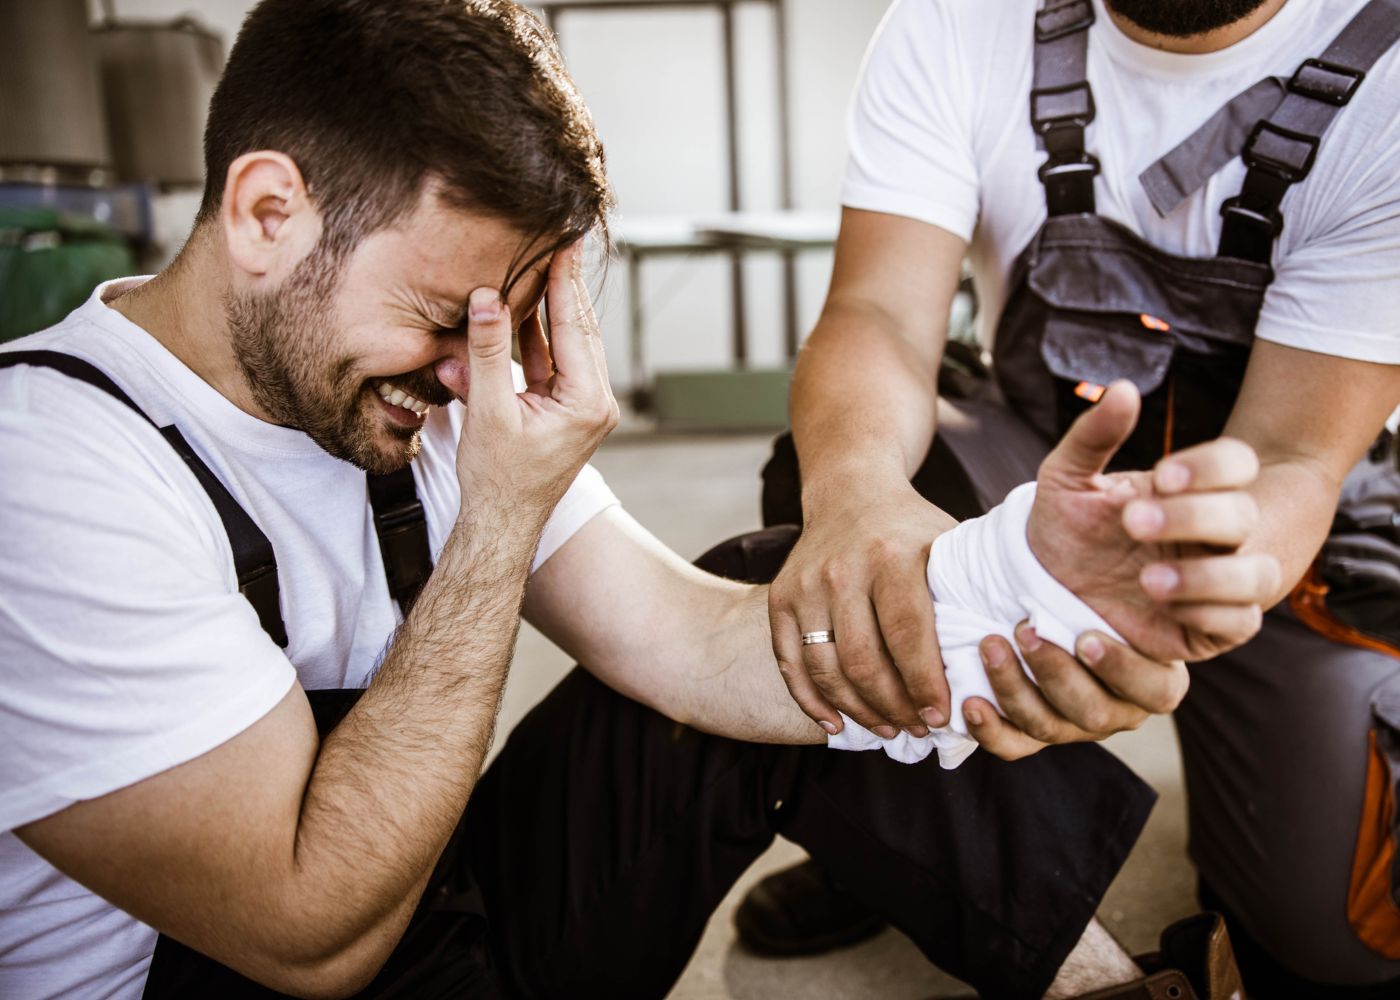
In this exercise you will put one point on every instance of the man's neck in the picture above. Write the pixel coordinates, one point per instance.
(183, 308)
(1211, 41)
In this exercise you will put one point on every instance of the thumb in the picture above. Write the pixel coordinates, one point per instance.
(489, 371)
(1094, 437)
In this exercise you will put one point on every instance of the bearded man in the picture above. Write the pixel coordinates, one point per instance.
(248, 688)
(1202, 196)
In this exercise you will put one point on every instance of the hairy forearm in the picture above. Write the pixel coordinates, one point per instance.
(863, 403)
(391, 781)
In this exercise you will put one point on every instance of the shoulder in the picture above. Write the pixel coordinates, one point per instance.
(966, 28)
(78, 456)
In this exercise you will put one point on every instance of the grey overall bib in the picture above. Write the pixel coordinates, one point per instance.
(1291, 744)
(1274, 735)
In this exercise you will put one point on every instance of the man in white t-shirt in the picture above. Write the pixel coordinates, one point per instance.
(944, 165)
(197, 804)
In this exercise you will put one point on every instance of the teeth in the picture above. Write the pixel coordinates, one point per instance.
(398, 397)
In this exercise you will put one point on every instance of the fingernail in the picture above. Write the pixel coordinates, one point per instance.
(484, 304)
(1026, 637)
(933, 717)
(973, 716)
(1143, 517)
(1091, 649)
(830, 727)
(1159, 579)
(885, 732)
(1173, 477)
(993, 656)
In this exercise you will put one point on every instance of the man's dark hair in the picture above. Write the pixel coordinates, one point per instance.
(370, 98)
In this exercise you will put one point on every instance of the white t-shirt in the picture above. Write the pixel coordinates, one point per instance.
(940, 132)
(125, 647)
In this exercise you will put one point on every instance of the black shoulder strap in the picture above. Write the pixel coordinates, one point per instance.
(254, 561)
(403, 534)
(1062, 105)
(399, 520)
(1280, 151)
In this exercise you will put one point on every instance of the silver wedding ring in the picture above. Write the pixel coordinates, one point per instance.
(817, 638)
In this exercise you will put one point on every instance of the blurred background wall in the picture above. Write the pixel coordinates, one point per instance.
(654, 80)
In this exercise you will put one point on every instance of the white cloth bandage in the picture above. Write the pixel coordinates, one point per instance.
(984, 579)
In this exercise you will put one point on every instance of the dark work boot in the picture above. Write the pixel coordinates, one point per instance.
(802, 911)
(1196, 963)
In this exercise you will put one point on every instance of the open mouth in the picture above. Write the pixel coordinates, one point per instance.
(404, 408)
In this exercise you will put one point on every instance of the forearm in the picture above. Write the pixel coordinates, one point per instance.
(1296, 501)
(863, 403)
(391, 781)
(734, 689)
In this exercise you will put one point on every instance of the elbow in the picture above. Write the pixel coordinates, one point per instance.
(330, 978)
(319, 966)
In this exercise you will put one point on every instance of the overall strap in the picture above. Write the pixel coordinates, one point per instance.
(1197, 158)
(254, 562)
(1282, 147)
(402, 528)
(1062, 105)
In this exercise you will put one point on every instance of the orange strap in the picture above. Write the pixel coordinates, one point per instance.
(1370, 906)
(1309, 602)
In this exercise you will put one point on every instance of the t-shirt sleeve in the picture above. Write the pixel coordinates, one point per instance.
(910, 137)
(125, 646)
(588, 497)
(1338, 291)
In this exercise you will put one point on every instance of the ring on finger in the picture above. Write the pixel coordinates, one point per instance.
(818, 637)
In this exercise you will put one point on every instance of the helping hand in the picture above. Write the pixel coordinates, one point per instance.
(859, 569)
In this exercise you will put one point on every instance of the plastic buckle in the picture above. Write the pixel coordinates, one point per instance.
(1272, 148)
(1325, 81)
(1069, 184)
(1058, 20)
(1058, 107)
(1248, 233)
(403, 544)
(259, 587)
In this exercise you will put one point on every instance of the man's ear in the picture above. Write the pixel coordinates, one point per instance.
(268, 220)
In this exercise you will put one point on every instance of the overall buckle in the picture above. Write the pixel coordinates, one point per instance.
(1059, 107)
(1286, 154)
(259, 587)
(1248, 233)
(403, 544)
(1069, 184)
(1058, 20)
(1326, 81)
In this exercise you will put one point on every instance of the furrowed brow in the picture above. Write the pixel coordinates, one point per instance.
(446, 312)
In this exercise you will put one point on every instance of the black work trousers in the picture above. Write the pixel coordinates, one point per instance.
(598, 843)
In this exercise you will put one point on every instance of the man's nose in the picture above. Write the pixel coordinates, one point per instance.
(453, 369)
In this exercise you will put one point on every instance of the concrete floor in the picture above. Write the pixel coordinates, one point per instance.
(694, 491)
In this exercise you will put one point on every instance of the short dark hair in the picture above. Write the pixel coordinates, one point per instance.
(370, 98)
